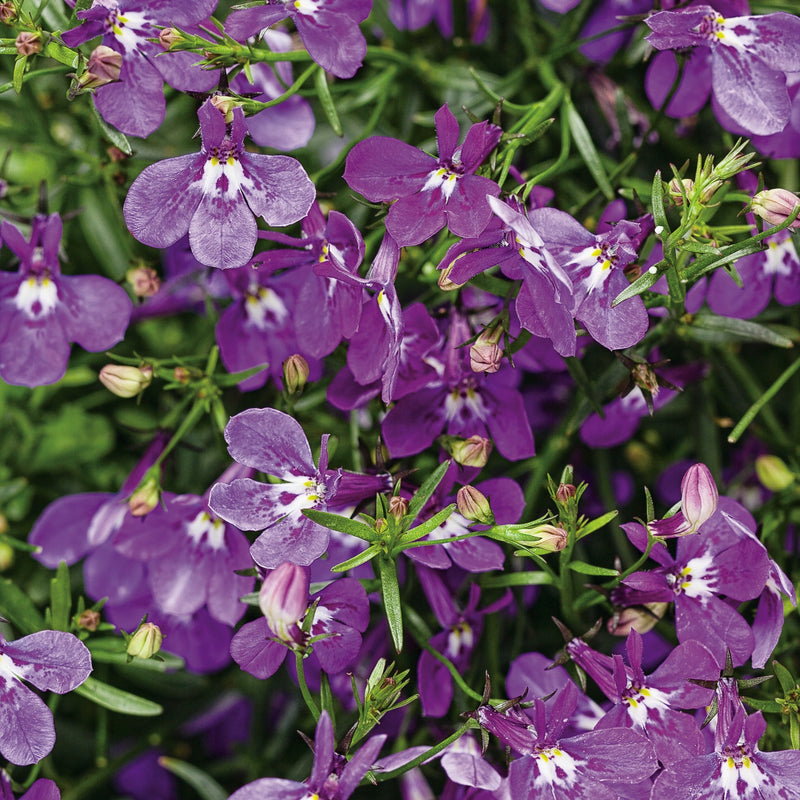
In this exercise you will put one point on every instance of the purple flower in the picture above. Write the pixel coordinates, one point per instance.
(699, 497)
(430, 192)
(332, 776)
(52, 661)
(411, 15)
(217, 194)
(42, 311)
(42, 789)
(749, 59)
(135, 105)
(274, 443)
(340, 617)
(328, 29)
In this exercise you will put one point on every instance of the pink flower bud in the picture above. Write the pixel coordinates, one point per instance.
(167, 37)
(144, 281)
(472, 452)
(283, 600)
(775, 206)
(565, 492)
(224, 105)
(295, 373)
(103, 67)
(473, 505)
(398, 507)
(8, 13)
(126, 381)
(485, 357)
(145, 498)
(28, 43)
(445, 284)
(638, 618)
(699, 495)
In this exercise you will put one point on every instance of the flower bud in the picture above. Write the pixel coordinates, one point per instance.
(116, 155)
(472, 452)
(103, 67)
(146, 642)
(145, 498)
(6, 555)
(638, 618)
(8, 13)
(28, 43)
(699, 495)
(283, 600)
(551, 538)
(674, 190)
(144, 281)
(295, 373)
(445, 284)
(773, 473)
(485, 357)
(167, 37)
(224, 105)
(775, 206)
(565, 492)
(89, 620)
(473, 504)
(126, 381)
(398, 506)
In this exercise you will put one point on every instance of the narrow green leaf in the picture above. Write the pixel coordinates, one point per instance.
(770, 706)
(390, 589)
(336, 522)
(200, 781)
(426, 490)
(649, 505)
(784, 677)
(586, 385)
(103, 226)
(657, 202)
(18, 608)
(583, 141)
(357, 561)
(426, 527)
(589, 569)
(516, 579)
(326, 101)
(596, 524)
(61, 53)
(60, 598)
(19, 72)
(644, 282)
(794, 732)
(709, 327)
(112, 134)
(117, 700)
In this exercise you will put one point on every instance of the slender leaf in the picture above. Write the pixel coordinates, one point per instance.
(516, 579)
(200, 781)
(596, 524)
(60, 598)
(117, 700)
(19, 72)
(427, 489)
(326, 101)
(357, 561)
(390, 589)
(784, 677)
(112, 134)
(336, 522)
(657, 201)
(644, 282)
(426, 527)
(18, 608)
(709, 327)
(589, 569)
(583, 141)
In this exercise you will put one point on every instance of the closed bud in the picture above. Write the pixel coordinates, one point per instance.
(445, 284)
(28, 43)
(699, 495)
(473, 505)
(103, 67)
(398, 507)
(146, 642)
(638, 618)
(472, 452)
(283, 600)
(6, 555)
(124, 381)
(773, 473)
(565, 492)
(8, 13)
(775, 206)
(485, 357)
(89, 620)
(144, 281)
(168, 36)
(674, 190)
(145, 498)
(295, 373)
(551, 538)
(225, 105)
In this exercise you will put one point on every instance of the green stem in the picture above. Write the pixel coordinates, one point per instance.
(423, 757)
(304, 690)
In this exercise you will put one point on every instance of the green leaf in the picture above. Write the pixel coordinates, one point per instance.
(200, 781)
(770, 706)
(784, 677)
(117, 700)
(583, 141)
(112, 650)
(596, 524)
(425, 491)
(426, 527)
(60, 598)
(104, 227)
(794, 732)
(390, 589)
(336, 522)
(657, 202)
(19, 72)
(326, 101)
(644, 282)
(18, 608)
(65, 55)
(356, 561)
(112, 134)
(590, 569)
(708, 327)
(516, 579)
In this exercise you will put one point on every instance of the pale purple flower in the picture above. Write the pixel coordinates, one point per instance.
(217, 194)
(411, 15)
(328, 29)
(42, 311)
(699, 497)
(135, 105)
(749, 59)
(332, 777)
(53, 661)
(430, 192)
(42, 789)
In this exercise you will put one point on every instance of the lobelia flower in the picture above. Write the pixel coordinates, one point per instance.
(52, 661)
(749, 58)
(42, 789)
(217, 194)
(429, 192)
(341, 615)
(42, 311)
(135, 105)
(332, 777)
(274, 443)
(736, 768)
(328, 29)
(411, 15)
(699, 497)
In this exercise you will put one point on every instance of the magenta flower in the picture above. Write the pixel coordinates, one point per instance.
(749, 59)
(430, 192)
(135, 104)
(216, 195)
(52, 661)
(42, 311)
(328, 29)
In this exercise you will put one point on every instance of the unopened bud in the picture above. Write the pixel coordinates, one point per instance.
(773, 473)
(565, 492)
(485, 357)
(474, 505)
(775, 206)
(225, 105)
(8, 13)
(674, 190)
(445, 284)
(28, 43)
(146, 642)
(295, 373)
(551, 538)
(398, 506)
(3, 523)
(89, 620)
(144, 281)
(181, 375)
(472, 452)
(6, 556)
(124, 381)
(283, 600)
(638, 618)
(103, 67)
(644, 376)
(167, 37)
(145, 498)
(116, 155)
(699, 495)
